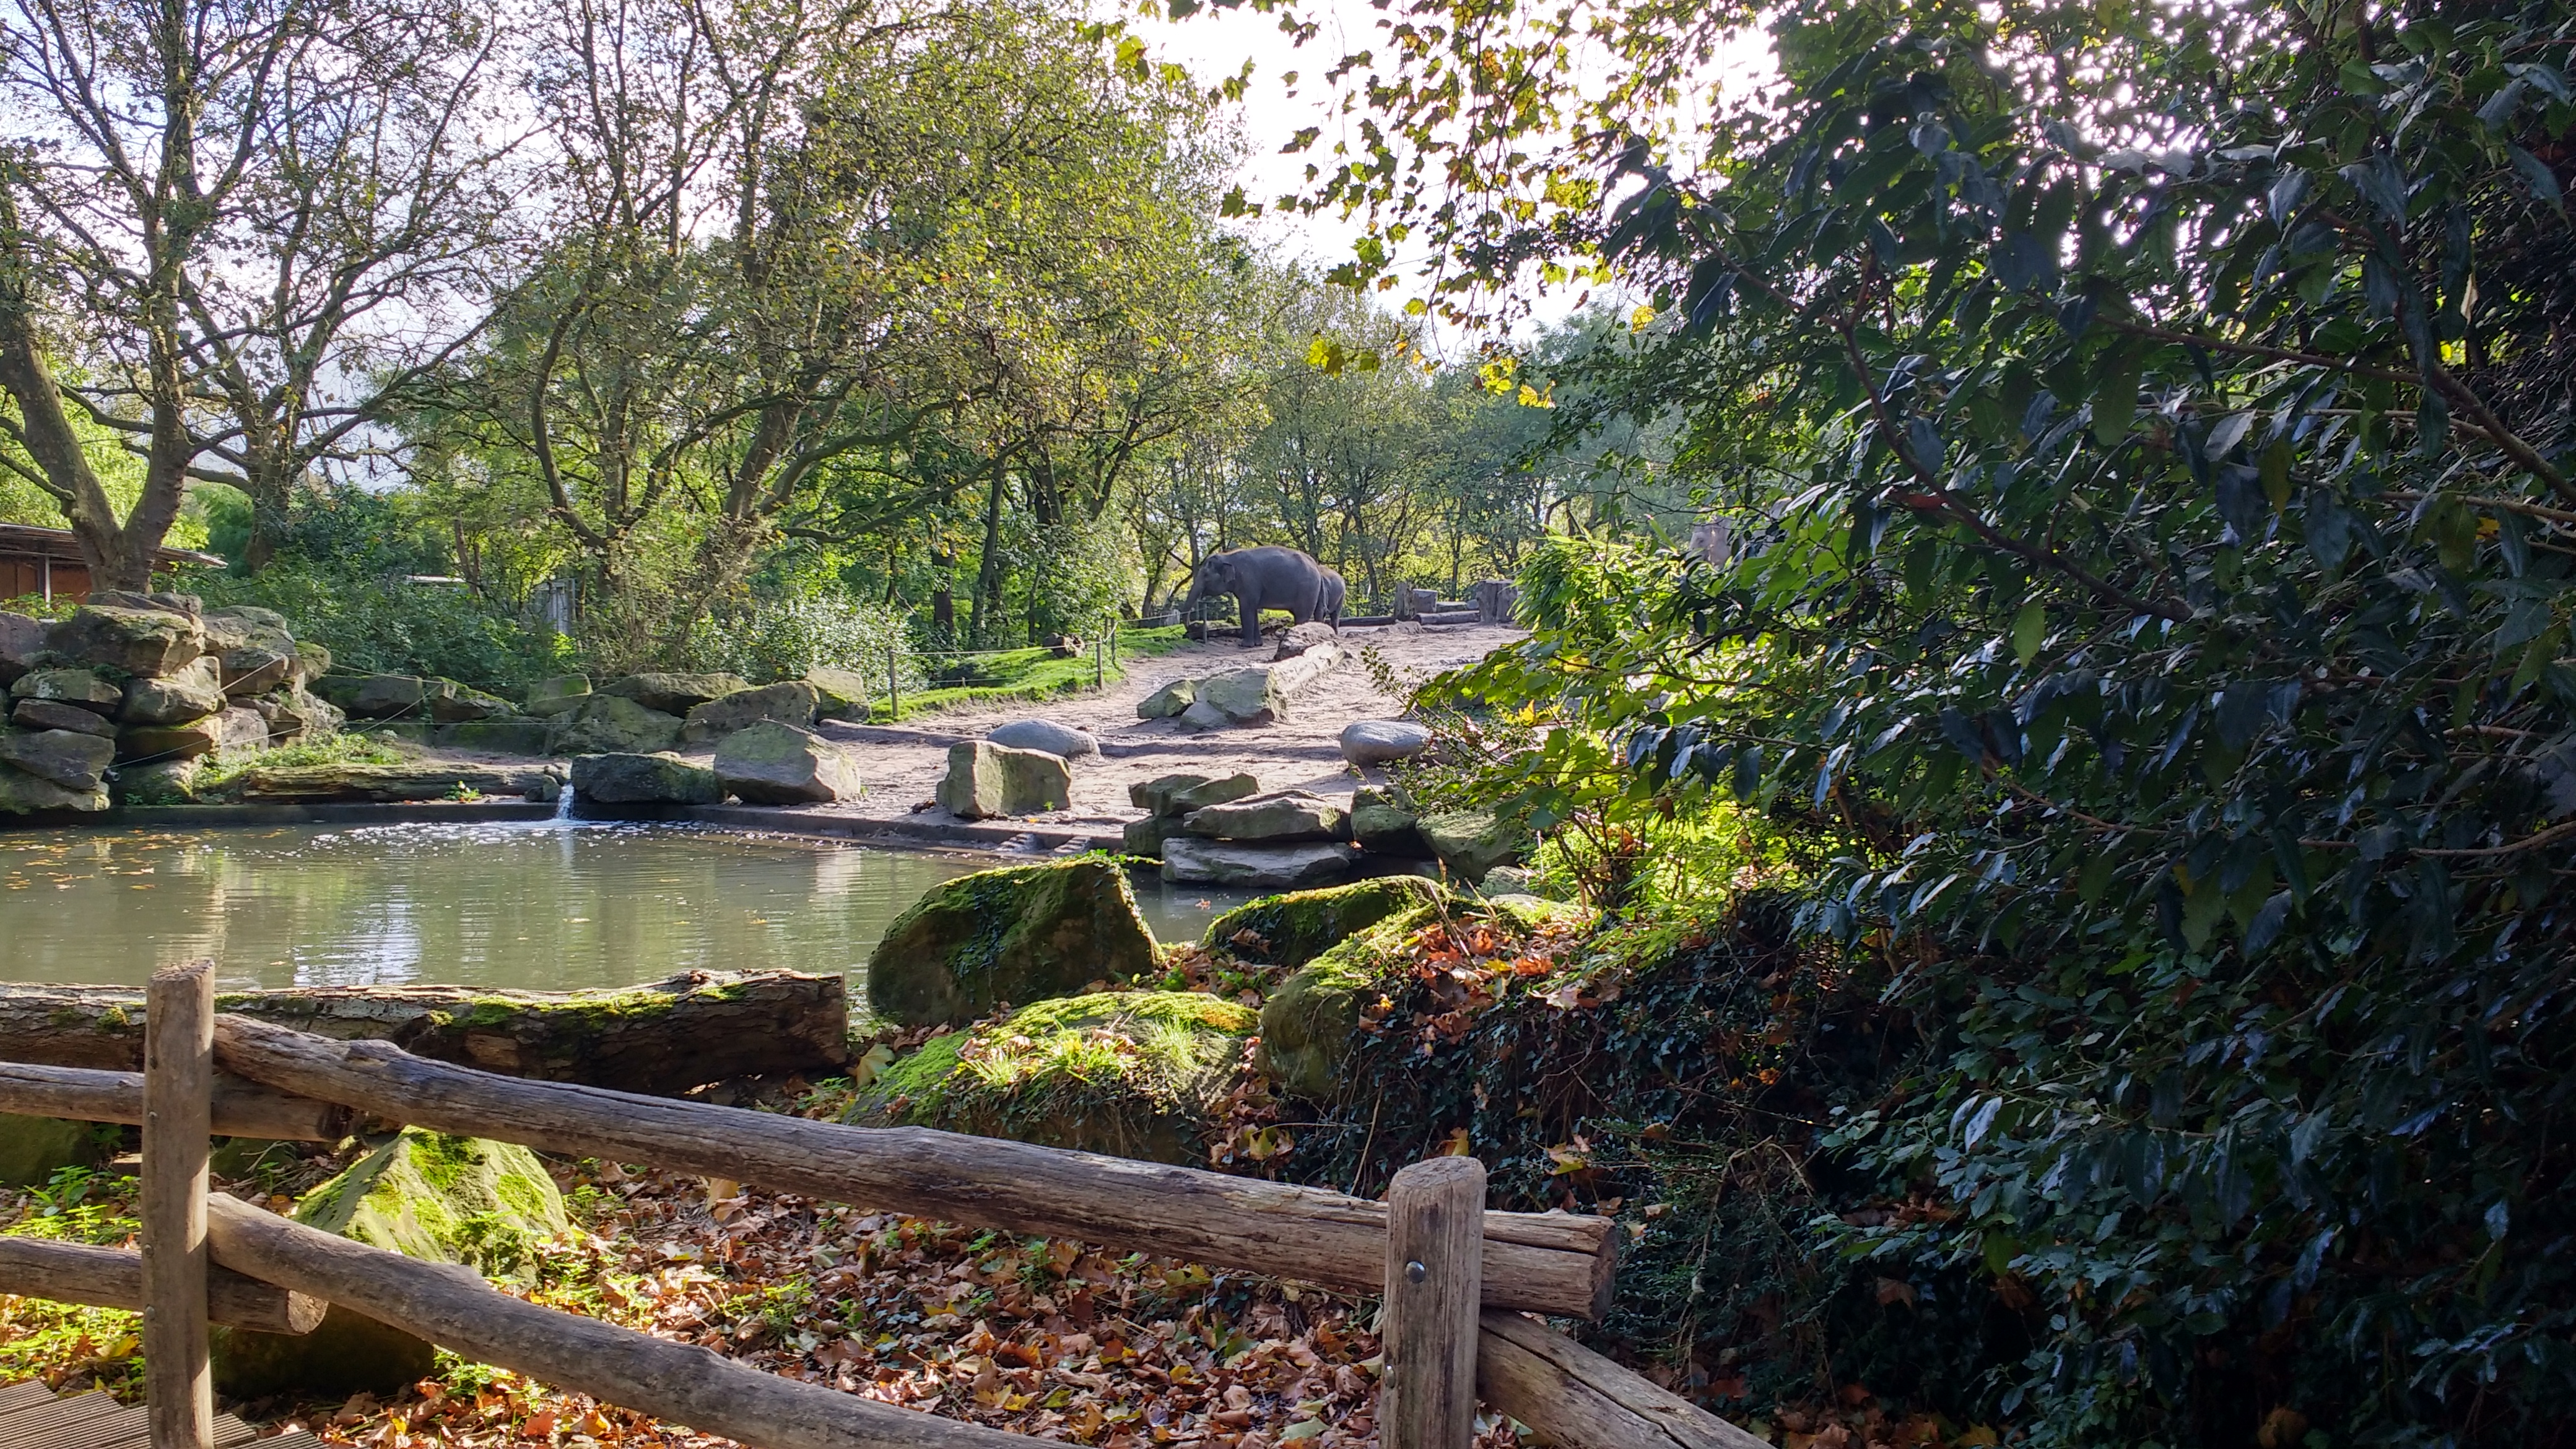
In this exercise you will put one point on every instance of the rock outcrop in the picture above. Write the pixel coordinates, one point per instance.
(773, 763)
(21, 640)
(191, 693)
(1382, 821)
(550, 697)
(1471, 842)
(610, 780)
(144, 642)
(842, 693)
(1023, 934)
(433, 780)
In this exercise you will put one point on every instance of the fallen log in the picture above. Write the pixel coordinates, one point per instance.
(241, 1109)
(1577, 1399)
(113, 1278)
(670, 1036)
(676, 1382)
(1546, 1262)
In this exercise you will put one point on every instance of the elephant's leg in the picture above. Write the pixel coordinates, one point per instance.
(1249, 604)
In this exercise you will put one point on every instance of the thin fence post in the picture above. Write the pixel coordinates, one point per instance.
(178, 1108)
(1435, 1289)
(894, 689)
(1099, 665)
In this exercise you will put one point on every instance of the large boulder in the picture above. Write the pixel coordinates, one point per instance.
(1022, 934)
(295, 714)
(312, 661)
(33, 1149)
(675, 693)
(1242, 696)
(21, 640)
(640, 779)
(1145, 837)
(47, 714)
(550, 697)
(1383, 741)
(190, 605)
(192, 693)
(454, 703)
(495, 736)
(1293, 929)
(1136, 1074)
(1308, 1022)
(1472, 842)
(380, 696)
(771, 763)
(24, 794)
(1383, 822)
(792, 703)
(144, 642)
(72, 759)
(985, 780)
(240, 730)
(145, 743)
(1202, 715)
(69, 686)
(1179, 794)
(163, 782)
(1061, 740)
(1280, 816)
(841, 693)
(611, 724)
(1191, 860)
(253, 648)
(1306, 638)
(1169, 701)
(489, 1206)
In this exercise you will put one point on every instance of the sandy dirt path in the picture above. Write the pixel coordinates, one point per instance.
(903, 765)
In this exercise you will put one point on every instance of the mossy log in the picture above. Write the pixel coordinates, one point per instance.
(664, 1038)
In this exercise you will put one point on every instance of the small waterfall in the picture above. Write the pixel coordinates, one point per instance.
(563, 802)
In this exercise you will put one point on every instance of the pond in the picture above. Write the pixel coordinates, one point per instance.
(543, 906)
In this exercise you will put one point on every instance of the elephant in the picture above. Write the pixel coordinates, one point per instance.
(1267, 577)
(1328, 601)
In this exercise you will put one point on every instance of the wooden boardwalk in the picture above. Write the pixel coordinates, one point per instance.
(32, 1418)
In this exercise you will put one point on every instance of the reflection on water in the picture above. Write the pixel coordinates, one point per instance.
(541, 906)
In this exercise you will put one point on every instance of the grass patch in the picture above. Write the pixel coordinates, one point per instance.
(1031, 675)
(339, 749)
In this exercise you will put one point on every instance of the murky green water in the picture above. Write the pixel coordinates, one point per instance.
(539, 906)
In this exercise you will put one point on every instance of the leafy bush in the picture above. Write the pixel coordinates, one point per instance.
(781, 638)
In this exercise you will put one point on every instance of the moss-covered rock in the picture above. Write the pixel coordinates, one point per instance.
(1472, 842)
(33, 1149)
(609, 724)
(1295, 928)
(426, 1195)
(1022, 934)
(1308, 1022)
(1139, 1074)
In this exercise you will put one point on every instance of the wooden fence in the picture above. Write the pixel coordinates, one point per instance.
(1456, 1279)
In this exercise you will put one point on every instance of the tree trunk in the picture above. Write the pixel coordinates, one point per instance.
(664, 1038)
(987, 604)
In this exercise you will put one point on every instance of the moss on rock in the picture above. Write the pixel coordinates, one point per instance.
(1021, 934)
(1137, 1074)
(1295, 928)
(487, 1205)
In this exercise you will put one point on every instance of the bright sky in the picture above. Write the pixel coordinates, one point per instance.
(1214, 43)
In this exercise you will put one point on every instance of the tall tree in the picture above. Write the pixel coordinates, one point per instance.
(253, 226)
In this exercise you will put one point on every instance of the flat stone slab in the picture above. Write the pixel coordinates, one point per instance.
(1219, 862)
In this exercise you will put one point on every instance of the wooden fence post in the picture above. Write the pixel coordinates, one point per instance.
(178, 1107)
(1435, 1287)
(894, 689)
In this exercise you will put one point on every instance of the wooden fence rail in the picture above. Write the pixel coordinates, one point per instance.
(1551, 1263)
(1432, 1248)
